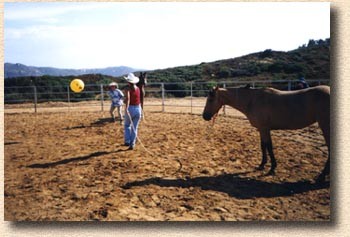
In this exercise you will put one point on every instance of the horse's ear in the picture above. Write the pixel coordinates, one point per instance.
(212, 91)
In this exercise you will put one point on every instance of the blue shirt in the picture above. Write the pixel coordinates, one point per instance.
(116, 97)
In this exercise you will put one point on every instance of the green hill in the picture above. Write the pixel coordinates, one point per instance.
(311, 61)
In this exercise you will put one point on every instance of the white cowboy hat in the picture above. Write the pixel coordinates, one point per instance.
(113, 84)
(132, 78)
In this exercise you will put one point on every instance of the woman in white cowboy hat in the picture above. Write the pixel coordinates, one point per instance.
(132, 110)
(116, 96)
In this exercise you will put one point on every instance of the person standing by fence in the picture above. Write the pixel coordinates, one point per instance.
(116, 96)
(132, 110)
(302, 84)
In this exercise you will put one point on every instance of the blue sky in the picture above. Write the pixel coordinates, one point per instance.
(155, 35)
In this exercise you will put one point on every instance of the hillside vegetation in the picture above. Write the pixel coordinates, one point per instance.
(311, 60)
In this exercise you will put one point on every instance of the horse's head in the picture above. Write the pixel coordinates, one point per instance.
(213, 104)
(143, 78)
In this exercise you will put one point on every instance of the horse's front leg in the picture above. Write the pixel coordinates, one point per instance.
(143, 93)
(264, 156)
(266, 144)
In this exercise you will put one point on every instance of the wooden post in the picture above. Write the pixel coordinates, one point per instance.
(163, 97)
(35, 99)
(289, 85)
(191, 95)
(102, 97)
(224, 108)
(68, 97)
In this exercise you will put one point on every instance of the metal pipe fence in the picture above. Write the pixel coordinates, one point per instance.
(162, 96)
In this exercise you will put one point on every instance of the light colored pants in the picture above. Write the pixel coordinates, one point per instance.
(131, 126)
(112, 110)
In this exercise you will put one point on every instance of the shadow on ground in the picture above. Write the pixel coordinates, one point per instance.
(235, 186)
(74, 159)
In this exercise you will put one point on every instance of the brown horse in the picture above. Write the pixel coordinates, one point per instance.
(141, 84)
(270, 109)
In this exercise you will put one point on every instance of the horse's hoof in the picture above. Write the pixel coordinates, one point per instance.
(320, 179)
(271, 173)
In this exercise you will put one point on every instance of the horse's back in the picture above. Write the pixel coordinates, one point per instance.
(323, 89)
(321, 98)
(316, 95)
(291, 109)
(323, 111)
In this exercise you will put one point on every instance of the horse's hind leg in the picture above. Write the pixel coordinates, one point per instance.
(325, 172)
(325, 127)
(324, 123)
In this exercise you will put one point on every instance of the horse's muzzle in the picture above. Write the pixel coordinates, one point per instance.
(207, 116)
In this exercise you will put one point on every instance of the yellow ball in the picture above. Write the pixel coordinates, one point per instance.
(77, 85)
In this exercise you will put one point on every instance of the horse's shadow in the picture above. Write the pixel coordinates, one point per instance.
(235, 186)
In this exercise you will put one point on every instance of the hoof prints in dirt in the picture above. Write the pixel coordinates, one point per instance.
(72, 166)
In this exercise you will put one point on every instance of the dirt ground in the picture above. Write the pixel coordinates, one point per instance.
(65, 166)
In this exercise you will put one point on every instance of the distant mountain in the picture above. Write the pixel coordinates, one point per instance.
(20, 70)
(311, 60)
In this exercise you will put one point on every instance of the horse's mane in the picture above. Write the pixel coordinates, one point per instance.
(248, 86)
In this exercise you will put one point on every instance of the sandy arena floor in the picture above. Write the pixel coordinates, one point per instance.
(72, 166)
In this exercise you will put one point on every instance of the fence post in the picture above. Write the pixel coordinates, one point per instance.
(68, 97)
(289, 85)
(224, 108)
(191, 95)
(102, 97)
(163, 95)
(35, 98)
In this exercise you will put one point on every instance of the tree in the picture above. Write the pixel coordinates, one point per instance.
(267, 53)
(311, 43)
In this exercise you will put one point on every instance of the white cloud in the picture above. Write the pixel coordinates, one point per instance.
(37, 11)
(157, 35)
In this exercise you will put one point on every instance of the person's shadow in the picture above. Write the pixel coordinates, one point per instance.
(98, 123)
(102, 121)
(235, 186)
(73, 159)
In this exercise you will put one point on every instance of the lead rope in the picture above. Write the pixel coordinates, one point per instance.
(143, 146)
(137, 137)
